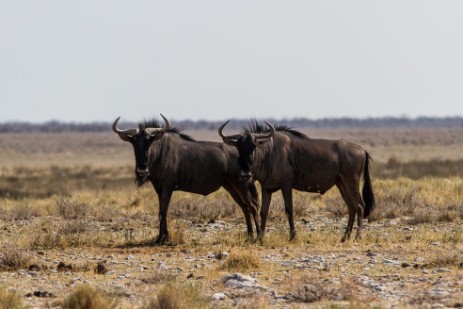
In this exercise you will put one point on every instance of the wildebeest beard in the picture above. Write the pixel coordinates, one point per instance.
(140, 180)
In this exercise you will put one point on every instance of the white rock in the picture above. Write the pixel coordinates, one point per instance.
(238, 280)
(218, 296)
(443, 270)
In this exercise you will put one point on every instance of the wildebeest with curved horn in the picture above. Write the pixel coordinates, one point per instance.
(284, 158)
(172, 161)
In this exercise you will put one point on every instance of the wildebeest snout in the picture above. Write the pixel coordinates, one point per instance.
(246, 176)
(142, 171)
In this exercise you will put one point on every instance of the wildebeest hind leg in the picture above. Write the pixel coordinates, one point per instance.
(359, 209)
(350, 206)
(357, 204)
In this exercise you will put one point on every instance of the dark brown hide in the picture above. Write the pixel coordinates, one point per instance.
(174, 161)
(290, 160)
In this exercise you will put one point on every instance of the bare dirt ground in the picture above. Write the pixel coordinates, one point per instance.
(64, 228)
(395, 265)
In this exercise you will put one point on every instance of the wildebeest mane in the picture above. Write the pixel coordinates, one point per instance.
(255, 127)
(154, 123)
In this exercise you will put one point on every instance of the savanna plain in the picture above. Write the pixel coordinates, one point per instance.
(76, 232)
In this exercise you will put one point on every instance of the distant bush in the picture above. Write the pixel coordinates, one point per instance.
(56, 126)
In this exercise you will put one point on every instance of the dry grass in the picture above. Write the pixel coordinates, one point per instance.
(11, 299)
(88, 297)
(452, 258)
(12, 258)
(178, 296)
(78, 204)
(242, 260)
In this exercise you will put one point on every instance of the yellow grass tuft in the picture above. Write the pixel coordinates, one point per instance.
(88, 297)
(10, 299)
(178, 296)
(242, 260)
(13, 258)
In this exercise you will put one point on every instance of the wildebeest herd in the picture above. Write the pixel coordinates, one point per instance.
(278, 157)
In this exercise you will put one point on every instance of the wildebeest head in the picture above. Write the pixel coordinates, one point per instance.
(141, 140)
(246, 143)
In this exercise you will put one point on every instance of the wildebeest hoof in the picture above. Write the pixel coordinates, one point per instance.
(292, 235)
(161, 240)
(345, 238)
(250, 239)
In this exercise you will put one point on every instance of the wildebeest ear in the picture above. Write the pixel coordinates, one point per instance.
(231, 142)
(124, 137)
(154, 133)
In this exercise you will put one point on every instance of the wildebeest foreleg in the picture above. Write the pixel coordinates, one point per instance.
(164, 200)
(266, 198)
(288, 198)
(247, 215)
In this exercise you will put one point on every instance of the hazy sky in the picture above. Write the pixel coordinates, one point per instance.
(96, 60)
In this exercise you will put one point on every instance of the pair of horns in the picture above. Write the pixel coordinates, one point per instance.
(236, 136)
(149, 131)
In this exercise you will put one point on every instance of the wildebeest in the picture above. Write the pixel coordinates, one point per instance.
(172, 161)
(284, 158)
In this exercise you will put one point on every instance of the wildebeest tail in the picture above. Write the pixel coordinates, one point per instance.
(367, 192)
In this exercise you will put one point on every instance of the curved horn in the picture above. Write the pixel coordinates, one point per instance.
(268, 135)
(231, 137)
(166, 125)
(153, 131)
(128, 132)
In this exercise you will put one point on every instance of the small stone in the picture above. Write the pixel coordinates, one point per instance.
(405, 265)
(218, 296)
(101, 268)
(390, 262)
(238, 280)
(34, 267)
(63, 267)
(130, 257)
(221, 255)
